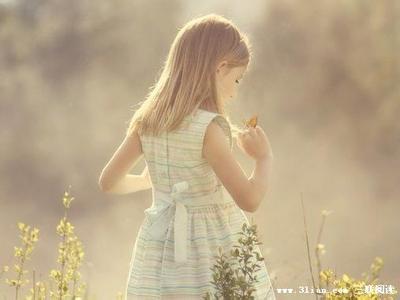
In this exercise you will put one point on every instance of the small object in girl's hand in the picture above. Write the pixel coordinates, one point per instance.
(252, 122)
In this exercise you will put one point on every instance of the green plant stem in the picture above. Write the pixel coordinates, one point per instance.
(308, 246)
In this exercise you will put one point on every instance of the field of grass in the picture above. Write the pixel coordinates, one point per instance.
(232, 273)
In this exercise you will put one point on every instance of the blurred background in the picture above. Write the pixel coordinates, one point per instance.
(324, 80)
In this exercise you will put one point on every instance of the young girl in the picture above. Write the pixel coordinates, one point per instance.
(186, 139)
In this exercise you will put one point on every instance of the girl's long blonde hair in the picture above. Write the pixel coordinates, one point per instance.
(187, 81)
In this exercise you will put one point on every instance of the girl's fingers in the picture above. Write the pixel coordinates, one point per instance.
(260, 131)
(252, 132)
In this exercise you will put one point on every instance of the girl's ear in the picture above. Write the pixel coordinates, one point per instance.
(221, 65)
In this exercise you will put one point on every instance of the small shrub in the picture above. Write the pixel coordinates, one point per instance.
(233, 276)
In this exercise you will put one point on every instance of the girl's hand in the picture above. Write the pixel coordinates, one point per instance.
(254, 142)
(146, 175)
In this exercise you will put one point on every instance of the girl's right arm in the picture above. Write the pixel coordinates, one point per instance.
(115, 177)
(246, 192)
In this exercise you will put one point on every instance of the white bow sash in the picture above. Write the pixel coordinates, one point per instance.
(160, 214)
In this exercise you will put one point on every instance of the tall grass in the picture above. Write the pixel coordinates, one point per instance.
(332, 286)
(233, 276)
(65, 280)
(233, 279)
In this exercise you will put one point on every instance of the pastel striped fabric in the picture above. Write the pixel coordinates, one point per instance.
(172, 158)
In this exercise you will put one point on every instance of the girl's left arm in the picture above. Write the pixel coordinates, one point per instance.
(114, 177)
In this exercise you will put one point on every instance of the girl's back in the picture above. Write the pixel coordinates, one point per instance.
(176, 156)
(189, 219)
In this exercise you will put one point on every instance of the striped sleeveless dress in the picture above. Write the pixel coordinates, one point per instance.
(190, 217)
